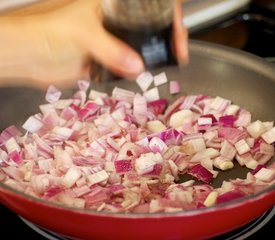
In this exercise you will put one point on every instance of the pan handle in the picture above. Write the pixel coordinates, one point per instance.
(266, 23)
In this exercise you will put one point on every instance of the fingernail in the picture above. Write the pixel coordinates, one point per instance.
(133, 64)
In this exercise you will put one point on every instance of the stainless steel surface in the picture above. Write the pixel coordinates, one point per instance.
(134, 15)
(200, 14)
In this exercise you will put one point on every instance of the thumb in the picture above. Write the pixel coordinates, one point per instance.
(116, 55)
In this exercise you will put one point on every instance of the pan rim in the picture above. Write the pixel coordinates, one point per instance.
(234, 56)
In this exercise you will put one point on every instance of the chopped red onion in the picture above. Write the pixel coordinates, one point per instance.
(269, 136)
(158, 106)
(160, 79)
(53, 94)
(201, 173)
(144, 80)
(152, 94)
(11, 131)
(124, 153)
(123, 166)
(33, 124)
(83, 85)
(174, 87)
(242, 147)
(265, 174)
(227, 120)
(157, 145)
(229, 196)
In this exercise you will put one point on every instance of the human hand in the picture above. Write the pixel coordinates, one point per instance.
(62, 44)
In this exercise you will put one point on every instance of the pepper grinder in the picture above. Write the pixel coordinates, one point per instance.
(146, 25)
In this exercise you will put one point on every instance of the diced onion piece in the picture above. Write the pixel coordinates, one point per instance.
(188, 102)
(33, 124)
(250, 142)
(242, 147)
(227, 120)
(266, 175)
(93, 95)
(62, 103)
(256, 129)
(211, 199)
(232, 109)
(11, 131)
(269, 136)
(157, 145)
(12, 145)
(83, 85)
(227, 150)
(155, 206)
(144, 142)
(223, 163)
(152, 94)
(193, 146)
(242, 159)
(204, 121)
(123, 94)
(145, 163)
(98, 177)
(251, 164)
(179, 118)
(244, 119)
(174, 87)
(257, 169)
(174, 168)
(208, 164)
(155, 126)
(70, 178)
(220, 104)
(168, 178)
(140, 107)
(266, 149)
(52, 94)
(268, 125)
(229, 196)
(160, 79)
(64, 132)
(206, 153)
(158, 106)
(144, 80)
(123, 166)
(16, 157)
(201, 173)
(45, 164)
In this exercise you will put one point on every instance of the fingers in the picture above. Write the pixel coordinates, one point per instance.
(116, 55)
(180, 35)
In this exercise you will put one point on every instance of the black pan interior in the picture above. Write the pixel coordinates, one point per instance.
(214, 70)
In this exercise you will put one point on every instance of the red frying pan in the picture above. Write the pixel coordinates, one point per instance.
(214, 70)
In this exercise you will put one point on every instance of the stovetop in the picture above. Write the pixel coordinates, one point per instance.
(14, 227)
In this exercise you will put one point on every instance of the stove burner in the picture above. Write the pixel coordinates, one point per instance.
(239, 234)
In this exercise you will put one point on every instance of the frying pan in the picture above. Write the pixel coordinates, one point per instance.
(214, 70)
